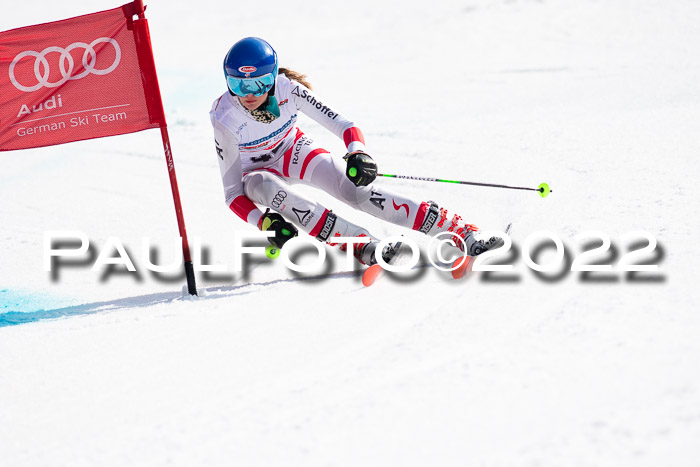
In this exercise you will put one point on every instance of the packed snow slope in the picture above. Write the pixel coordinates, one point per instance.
(599, 99)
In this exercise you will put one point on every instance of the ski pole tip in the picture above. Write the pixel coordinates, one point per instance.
(544, 190)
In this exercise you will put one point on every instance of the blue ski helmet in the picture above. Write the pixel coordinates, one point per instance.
(250, 67)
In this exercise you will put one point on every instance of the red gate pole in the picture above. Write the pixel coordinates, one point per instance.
(155, 105)
(189, 269)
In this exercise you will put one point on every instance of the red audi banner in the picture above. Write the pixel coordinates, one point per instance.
(80, 78)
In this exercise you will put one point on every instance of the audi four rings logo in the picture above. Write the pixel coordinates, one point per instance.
(66, 65)
(279, 197)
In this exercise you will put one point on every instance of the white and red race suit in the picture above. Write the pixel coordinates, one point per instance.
(260, 161)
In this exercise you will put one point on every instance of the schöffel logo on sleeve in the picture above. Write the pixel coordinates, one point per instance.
(64, 64)
(305, 94)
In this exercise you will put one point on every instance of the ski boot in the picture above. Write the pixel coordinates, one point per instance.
(475, 247)
(367, 253)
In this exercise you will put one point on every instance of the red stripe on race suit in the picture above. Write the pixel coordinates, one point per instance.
(287, 159)
(272, 170)
(310, 156)
(242, 206)
(288, 153)
(268, 169)
(218, 102)
(319, 225)
(353, 134)
(420, 215)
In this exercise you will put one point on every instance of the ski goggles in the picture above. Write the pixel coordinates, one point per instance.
(256, 86)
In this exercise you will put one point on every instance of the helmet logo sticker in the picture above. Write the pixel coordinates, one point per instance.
(247, 70)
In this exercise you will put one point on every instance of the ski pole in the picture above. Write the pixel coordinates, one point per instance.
(543, 189)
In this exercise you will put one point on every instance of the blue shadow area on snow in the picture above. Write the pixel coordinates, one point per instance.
(20, 308)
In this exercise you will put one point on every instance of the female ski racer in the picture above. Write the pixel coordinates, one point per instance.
(262, 154)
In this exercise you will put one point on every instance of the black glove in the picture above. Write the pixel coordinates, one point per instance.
(361, 169)
(273, 222)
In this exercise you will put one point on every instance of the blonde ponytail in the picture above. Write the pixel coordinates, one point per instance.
(296, 76)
